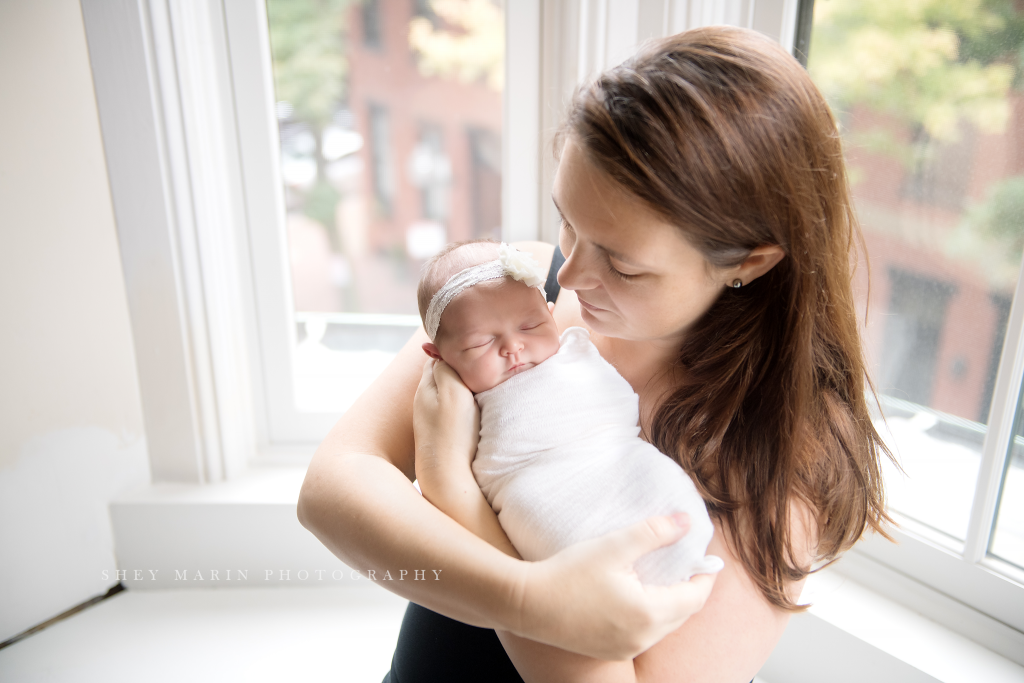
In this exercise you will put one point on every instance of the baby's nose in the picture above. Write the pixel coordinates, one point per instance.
(514, 346)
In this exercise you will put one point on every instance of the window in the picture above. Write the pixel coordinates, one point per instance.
(372, 24)
(372, 102)
(928, 99)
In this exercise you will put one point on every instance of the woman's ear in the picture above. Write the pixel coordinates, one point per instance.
(431, 350)
(758, 262)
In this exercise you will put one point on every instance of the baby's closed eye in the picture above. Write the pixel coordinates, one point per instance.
(477, 343)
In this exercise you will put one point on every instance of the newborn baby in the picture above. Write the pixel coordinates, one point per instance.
(560, 459)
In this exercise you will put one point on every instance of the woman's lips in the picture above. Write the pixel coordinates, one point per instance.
(588, 306)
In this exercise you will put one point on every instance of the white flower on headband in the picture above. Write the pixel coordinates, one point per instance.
(510, 262)
(521, 266)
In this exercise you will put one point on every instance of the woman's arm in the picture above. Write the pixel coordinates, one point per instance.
(358, 499)
(726, 642)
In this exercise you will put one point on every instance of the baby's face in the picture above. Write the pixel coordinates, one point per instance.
(494, 330)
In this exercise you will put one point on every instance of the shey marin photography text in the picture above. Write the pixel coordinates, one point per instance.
(276, 575)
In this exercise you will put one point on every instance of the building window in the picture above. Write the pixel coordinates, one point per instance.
(485, 179)
(373, 29)
(381, 159)
(913, 327)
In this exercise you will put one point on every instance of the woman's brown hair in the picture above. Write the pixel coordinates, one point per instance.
(724, 134)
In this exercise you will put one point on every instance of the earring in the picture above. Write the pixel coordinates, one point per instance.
(737, 283)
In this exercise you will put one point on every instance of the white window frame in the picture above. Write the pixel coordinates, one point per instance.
(171, 152)
(196, 193)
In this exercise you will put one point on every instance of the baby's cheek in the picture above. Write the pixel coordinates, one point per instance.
(552, 347)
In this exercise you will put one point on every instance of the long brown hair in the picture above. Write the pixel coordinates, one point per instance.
(724, 134)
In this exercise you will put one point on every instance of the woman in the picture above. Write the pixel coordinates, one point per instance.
(707, 231)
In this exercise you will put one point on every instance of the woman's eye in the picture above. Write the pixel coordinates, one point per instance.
(618, 273)
(566, 229)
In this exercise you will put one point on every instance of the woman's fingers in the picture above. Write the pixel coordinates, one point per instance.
(427, 376)
(448, 380)
(624, 617)
(446, 424)
(628, 544)
(462, 412)
(682, 600)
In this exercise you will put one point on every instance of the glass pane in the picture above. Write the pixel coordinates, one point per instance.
(1007, 541)
(928, 95)
(390, 123)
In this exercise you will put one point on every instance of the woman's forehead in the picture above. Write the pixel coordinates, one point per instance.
(605, 213)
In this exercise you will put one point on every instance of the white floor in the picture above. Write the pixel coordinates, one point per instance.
(256, 635)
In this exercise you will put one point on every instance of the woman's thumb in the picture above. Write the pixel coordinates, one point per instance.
(651, 534)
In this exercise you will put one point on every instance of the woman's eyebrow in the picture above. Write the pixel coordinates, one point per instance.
(618, 256)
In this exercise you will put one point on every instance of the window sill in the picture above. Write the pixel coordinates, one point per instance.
(853, 634)
(244, 532)
(185, 533)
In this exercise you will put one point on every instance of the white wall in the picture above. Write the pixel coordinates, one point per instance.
(71, 431)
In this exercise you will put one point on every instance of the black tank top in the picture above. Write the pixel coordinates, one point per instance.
(431, 647)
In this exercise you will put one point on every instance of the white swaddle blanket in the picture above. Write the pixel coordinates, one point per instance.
(560, 460)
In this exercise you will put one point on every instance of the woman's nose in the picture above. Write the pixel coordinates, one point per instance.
(573, 273)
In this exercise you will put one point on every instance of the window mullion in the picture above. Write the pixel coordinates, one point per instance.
(521, 139)
(1000, 431)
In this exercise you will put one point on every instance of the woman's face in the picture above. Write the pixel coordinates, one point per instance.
(636, 276)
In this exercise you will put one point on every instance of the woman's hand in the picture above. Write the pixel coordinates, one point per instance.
(614, 616)
(446, 424)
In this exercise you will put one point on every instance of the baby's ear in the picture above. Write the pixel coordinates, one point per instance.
(551, 307)
(431, 350)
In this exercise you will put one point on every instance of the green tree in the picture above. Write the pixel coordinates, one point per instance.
(928, 63)
(308, 45)
(469, 45)
(307, 42)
